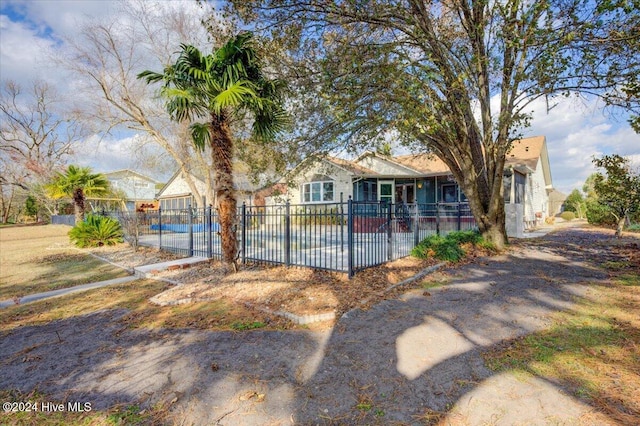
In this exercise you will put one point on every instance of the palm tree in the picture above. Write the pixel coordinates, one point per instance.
(77, 183)
(222, 88)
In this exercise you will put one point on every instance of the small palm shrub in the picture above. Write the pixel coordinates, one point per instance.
(96, 231)
(568, 216)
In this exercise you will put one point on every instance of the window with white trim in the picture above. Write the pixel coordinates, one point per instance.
(317, 192)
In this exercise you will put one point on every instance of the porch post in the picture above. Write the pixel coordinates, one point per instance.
(389, 233)
(416, 229)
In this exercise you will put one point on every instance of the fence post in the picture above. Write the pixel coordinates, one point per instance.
(243, 223)
(341, 223)
(459, 216)
(209, 232)
(287, 234)
(389, 232)
(160, 227)
(190, 224)
(437, 218)
(350, 253)
(416, 230)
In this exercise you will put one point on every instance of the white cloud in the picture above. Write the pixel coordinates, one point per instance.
(578, 130)
(22, 52)
(133, 152)
(106, 155)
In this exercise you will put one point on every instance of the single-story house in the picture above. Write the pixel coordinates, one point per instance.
(176, 194)
(422, 179)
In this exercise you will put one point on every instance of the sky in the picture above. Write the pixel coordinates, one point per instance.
(576, 130)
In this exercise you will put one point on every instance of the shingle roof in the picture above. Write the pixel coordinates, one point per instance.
(351, 167)
(425, 163)
(525, 151)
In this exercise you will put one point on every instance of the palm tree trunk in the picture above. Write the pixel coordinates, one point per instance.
(222, 160)
(78, 204)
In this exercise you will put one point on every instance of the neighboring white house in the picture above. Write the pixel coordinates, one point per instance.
(423, 179)
(175, 194)
(139, 191)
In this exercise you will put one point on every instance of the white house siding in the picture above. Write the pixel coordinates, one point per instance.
(383, 167)
(178, 187)
(340, 177)
(135, 188)
(539, 197)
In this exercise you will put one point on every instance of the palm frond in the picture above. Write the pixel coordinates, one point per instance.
(233, 96)
(200, 135)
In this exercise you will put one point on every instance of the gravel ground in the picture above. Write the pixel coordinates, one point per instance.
(401, 361)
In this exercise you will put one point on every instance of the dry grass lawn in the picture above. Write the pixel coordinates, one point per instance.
(592, 350)
(34, 259)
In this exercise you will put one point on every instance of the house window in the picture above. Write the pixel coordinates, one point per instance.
(139, 184)
(179, 203)
(317, 192)
(369, 191)
(449, 194)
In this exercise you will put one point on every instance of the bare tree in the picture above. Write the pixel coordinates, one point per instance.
(37, 139)
(108, 56)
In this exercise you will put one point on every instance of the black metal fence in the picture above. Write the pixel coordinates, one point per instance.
(346, 237)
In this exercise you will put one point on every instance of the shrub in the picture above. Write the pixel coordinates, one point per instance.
(599, 214)
(448, 248)
(568, 216)
(425, 248)
(463, 237)
(96, 231)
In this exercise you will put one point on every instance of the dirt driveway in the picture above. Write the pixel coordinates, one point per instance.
(400, 362)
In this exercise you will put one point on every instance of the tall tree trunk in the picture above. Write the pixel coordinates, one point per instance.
(222, 160)
(620, 226)
(487, 207)
(78, 204)
(6, 206)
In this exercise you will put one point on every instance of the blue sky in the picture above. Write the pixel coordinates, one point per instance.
(30, 31)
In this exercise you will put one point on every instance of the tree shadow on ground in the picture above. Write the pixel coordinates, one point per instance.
(405, 361)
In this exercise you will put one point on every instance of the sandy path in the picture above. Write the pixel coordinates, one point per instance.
(396, 362)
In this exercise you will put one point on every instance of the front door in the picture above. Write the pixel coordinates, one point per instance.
(405, 193)
(385, 191)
